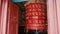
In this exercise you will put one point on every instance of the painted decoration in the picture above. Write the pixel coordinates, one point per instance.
(36, 16)
(19, 0)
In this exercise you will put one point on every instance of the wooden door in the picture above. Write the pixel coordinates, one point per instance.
(12, 19)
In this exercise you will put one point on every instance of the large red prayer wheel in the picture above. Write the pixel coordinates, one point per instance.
(36, 16)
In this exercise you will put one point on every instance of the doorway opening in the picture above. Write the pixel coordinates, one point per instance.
(34, 12)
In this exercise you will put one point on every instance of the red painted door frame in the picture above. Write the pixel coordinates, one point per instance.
(4, 17)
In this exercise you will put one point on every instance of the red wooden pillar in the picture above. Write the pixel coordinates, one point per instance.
(3, 16)
(58, 14)
(12, 19)
(0, 16)
(52, 17)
